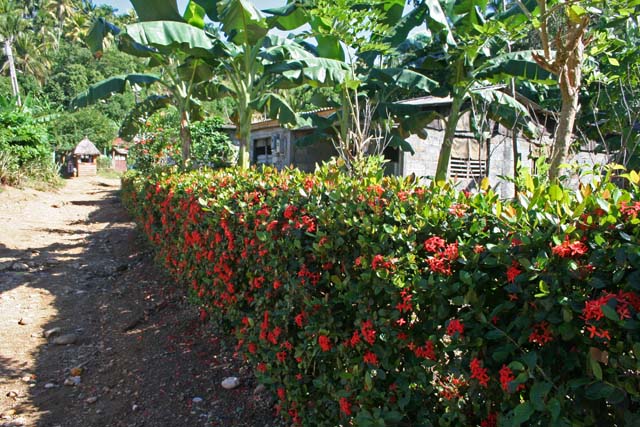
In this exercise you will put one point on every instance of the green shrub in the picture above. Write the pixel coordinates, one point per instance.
(23, 138)
(375, 301)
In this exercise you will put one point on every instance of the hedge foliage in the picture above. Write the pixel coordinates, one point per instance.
(376, 301)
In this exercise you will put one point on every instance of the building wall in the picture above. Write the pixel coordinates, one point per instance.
(87, 169)
(306, 158)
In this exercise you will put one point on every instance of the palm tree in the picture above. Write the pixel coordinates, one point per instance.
(60, 11)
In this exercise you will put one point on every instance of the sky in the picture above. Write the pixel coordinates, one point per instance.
(124, 5)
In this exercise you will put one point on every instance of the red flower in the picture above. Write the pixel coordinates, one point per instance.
(378, 262)
(281, 393)
(324, 342)
(368, 333)
(252, 347)
(405, 305)
(598, 333)
(345, 406)
(479, 373)
(370, 358)
(262, 367)
(478, 249)
(455, 326)
(506, 376)
(513, 271)
(490, 421)
(568, 249)
(299, 319)
(434, 244)
(281, 356)
(290, 212)
(427, 351)
(541, 334)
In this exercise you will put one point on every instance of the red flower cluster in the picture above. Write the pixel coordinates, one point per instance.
(593, 309)
(513, 271)
(368, 333)
(370, 358)
(427, 351)
(458, 209)
(455, 326)
(479, 373)
(324, 342)
(541, 333)
(490, 421)
(345, 406)
(630, 210)
(506, 376)
(569, 249)
(378, 263)
(405, 305)
(443, 255)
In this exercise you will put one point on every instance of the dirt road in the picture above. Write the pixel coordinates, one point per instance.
(92, 334)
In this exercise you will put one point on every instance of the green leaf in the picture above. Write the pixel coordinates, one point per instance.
(609, 312)
(538, 394)
(522, 413)
(194, 14)
(595, 368)
(516, 64)
(97, 33)
(242, 22)
(107, 87)
(555, 193)
(143, 38)
(400, 78)
(157, 10)
(531, 359)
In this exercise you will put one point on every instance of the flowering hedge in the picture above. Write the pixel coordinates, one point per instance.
(375, 301)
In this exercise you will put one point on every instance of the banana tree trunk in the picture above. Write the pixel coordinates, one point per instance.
(185, 137)
(244, 136)
(449, 134)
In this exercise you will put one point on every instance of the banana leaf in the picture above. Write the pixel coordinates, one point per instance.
(167, 37)
(138, 115)
(516, 64)
(157, 10)
(105, 88)
(400, 78)
(313, 71)
(242, 22)
(277, 108)
(97, 33)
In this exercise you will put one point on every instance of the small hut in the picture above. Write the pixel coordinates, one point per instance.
(119, 153)
(84, 156)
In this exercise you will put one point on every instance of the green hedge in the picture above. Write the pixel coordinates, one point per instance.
(375, 301)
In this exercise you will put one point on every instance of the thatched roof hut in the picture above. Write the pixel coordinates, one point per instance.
(84, 158)
(86, 148)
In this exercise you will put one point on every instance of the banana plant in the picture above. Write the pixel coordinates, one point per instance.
(177, 49)
(234, 62)
(253, 63)
(469, 58)
(362, 35)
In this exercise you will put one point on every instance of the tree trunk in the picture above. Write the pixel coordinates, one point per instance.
(12, 72)
(185, 137)
(570, 77)
(244, 136)
(449, 134)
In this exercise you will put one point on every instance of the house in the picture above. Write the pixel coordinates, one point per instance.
(471, 160)
(119, 153)
(85, 155)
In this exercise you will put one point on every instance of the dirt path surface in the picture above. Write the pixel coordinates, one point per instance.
(92, 334)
